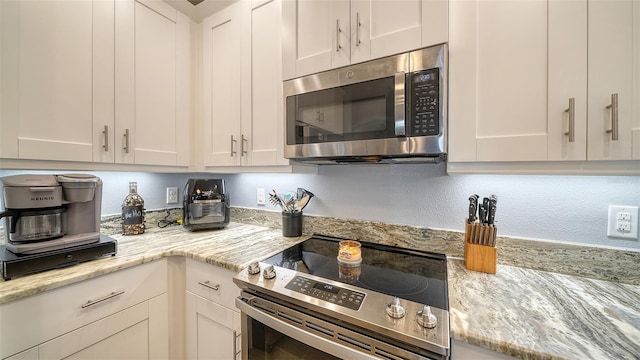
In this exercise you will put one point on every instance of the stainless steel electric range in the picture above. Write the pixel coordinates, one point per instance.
(305, 303)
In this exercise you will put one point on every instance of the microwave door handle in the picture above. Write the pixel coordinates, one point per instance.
(398, 102)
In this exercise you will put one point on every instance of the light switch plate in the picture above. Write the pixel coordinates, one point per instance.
(623, 222)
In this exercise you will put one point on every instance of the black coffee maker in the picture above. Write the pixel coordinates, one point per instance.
(205, 205)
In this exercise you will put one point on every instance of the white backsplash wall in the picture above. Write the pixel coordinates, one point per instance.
(556, 208)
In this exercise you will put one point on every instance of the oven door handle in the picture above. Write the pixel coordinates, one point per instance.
(244, 304)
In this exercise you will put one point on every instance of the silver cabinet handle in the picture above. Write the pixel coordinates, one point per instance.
(572, 120)
(208, 284)
(358, 29)
(235, 347)
(232, 147)
(126, 141)
(338, 31)
(614, 117)
(243, 140)
(104, 298)
(106, 138)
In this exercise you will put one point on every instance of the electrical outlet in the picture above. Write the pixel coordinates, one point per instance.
(623, 222)
(260, 196)
(172, 195)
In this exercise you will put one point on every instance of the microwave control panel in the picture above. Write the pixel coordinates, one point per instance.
(423, 105)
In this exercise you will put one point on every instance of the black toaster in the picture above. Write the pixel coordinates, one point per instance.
(205, 204)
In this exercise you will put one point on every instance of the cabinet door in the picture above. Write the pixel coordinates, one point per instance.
(382, 28)
(213, 331)
(57, 78)
(316, 36)
(152, 115)
(567, 80)
(498, 80)
(221, 51)
(611, 56)
(263, 126)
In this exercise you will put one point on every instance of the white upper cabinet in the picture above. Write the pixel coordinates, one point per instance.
(221, 69)
(264, 125)
(591, 60)
(152, 81)
(544, 80)
(321, 35)
(498, 80)
(612, 46)
(57, 78)
(242, 86)
(95, 81)
(567, 114)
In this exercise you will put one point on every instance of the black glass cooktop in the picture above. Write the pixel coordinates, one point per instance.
(417, 276)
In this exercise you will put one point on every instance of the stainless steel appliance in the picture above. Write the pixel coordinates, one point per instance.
(305, 302)
(51, 221)
(205, 204)
(392, 109)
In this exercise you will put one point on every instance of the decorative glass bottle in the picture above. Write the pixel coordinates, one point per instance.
(133, 212)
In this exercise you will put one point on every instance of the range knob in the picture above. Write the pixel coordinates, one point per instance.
(269, 272)
(254, 268)
(395, 309)
(426, 318)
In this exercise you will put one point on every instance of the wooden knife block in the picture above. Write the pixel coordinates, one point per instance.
(479, 257)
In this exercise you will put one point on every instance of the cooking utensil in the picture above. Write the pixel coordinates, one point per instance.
(303, 200)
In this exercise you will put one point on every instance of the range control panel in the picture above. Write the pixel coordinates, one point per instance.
(424, 107)
(333, 294)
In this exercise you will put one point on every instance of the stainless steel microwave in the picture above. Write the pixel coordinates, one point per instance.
(389, 110)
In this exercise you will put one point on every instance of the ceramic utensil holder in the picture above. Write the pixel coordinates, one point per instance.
(292, 224)
(480, 253)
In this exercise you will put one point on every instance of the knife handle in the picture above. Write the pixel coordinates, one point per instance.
(482, 214)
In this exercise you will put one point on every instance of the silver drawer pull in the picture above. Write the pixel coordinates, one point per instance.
(105, 132)
(572, 120)
(104, 298)
(208, 284)
(614, 117)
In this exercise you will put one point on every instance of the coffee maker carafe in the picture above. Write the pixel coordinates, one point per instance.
(50, 212)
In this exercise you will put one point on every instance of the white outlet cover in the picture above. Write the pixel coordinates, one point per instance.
(260, 196)
(618, 214)
(172, 195)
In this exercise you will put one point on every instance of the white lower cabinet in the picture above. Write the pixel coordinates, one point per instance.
(120, 315)
(212, 321)
(213, 331)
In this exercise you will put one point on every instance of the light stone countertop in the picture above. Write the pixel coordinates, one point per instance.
(526, 313)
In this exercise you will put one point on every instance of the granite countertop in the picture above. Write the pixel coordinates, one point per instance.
(526, 313)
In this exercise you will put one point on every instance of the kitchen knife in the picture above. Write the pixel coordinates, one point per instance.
(485, 205)
(473, 207)
(491, 216)
(482, 214)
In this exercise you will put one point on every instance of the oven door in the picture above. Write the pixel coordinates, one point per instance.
(273, 331)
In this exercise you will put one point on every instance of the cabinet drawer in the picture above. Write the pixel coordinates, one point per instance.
(36, 319)
(203, 279)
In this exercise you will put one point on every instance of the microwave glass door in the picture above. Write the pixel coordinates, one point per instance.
(360, 111)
